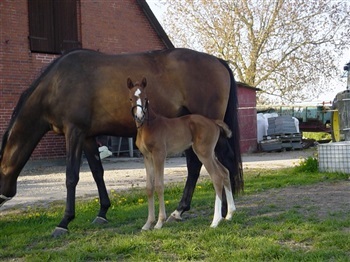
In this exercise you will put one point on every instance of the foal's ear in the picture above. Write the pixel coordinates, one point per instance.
(130, 83)
(144, 82)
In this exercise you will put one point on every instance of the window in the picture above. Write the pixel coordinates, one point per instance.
(53, 25)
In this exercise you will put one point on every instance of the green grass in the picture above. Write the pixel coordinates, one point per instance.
(286, 236)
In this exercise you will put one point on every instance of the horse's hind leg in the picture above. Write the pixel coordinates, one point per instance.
(74, 141)
(93, 157)
(193, 169)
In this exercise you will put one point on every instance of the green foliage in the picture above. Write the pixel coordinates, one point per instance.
(272, 233)
(317, 135)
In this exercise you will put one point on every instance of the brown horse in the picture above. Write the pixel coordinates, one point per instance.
(158, 136)
(82, 95)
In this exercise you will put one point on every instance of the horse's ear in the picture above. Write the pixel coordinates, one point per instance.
(130, 83)
(144, 82)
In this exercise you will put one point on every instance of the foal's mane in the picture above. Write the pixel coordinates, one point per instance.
(24, 97)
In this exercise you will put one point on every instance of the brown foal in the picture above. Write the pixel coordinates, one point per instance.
(159, 136)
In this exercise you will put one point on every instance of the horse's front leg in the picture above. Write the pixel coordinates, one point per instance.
(159, 187)
(74, 151)
(193, 170)
(150, 192)
(93, 157)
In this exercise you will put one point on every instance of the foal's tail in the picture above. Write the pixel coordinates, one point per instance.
(224, 128)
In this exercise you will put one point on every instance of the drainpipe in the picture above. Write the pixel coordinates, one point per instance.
(347, 68)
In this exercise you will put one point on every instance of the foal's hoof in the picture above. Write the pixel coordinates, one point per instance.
(59, 231)
(100, 221)
(175, 216)
(145, 228)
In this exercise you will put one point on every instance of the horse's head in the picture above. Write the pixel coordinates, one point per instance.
(138, 100)
(3, 198)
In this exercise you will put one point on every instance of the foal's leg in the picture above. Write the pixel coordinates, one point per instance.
(210, 166)
(193, 170)
(158, 165)
(224, 173)
(93, 157)
(221, 180)
(150, 192)
(220, 177)
(225, 155)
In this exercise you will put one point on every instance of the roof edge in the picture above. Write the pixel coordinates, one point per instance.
(248, 86)
(155, 23)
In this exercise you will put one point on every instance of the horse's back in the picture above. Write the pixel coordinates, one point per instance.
(88, 88)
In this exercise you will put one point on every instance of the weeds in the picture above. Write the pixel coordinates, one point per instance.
(309, 165)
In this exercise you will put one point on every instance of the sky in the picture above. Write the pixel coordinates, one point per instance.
(337, 85)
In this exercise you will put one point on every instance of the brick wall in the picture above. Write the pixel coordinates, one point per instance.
(130, 32)
(108, 26)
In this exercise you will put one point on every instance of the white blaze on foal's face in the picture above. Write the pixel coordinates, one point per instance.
(139, 111)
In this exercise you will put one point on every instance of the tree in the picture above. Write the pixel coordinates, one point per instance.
(288, 48)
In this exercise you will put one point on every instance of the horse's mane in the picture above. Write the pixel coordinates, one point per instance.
(24, 96)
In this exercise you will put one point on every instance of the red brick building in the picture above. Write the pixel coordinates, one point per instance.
(247, 117)
(27, 45)
(29, 42)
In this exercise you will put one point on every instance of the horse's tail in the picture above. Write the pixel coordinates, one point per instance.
(224, 128)
(231, 119)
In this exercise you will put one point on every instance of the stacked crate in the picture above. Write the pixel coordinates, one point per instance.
(282, 135)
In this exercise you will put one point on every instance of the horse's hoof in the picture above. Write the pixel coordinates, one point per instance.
(59, 231)
(175, 216)
(171, 219)
(228, 217)
(100, 221)
(158, 226)
(215, 223)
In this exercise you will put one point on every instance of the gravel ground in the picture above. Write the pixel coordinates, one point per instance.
(43, 182)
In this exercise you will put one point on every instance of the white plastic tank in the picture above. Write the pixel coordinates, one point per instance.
(334, 157)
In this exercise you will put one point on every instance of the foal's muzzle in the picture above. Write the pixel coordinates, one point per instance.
(138, 119)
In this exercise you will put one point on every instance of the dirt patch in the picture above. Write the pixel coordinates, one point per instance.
(318, 201)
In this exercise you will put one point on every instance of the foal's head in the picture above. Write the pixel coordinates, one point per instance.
(138, 99)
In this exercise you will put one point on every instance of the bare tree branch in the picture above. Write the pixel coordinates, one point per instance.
(282, 47)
